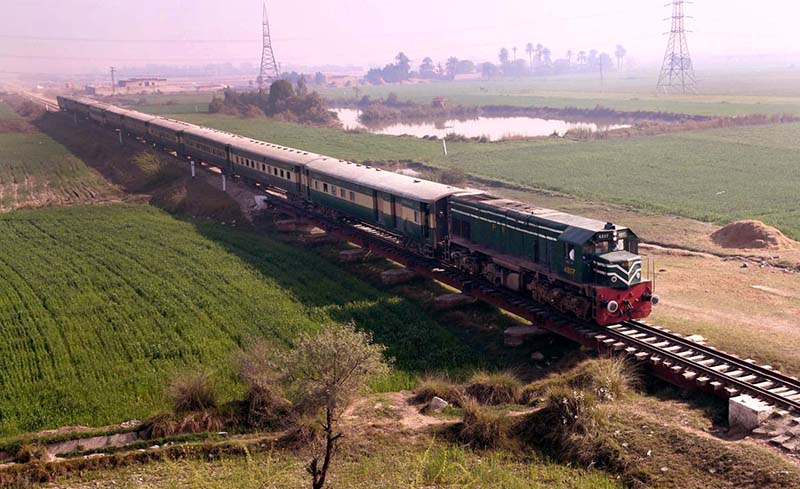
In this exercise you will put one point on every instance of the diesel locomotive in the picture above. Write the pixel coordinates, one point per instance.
(584, 267)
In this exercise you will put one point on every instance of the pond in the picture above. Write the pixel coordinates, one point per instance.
(494, 128)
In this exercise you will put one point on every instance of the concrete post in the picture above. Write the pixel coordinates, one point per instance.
(224, 188)
(193, 171)
(444, 146)
(119, 131)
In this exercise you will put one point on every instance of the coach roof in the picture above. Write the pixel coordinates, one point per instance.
(385, 181)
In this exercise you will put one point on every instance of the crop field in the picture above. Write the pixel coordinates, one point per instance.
(718, 175)
(37, 171)
(101, 305)
(170, 103)
(721, 93)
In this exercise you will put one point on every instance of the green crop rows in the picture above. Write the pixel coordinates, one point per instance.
(101, 305)
(35, 170)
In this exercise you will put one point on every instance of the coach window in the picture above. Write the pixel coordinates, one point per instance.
(288, 176)
(275, 171)
(416, 217)
(325, 187)
(333, 189)
(316, 184)
(341, 192)
(352, 197)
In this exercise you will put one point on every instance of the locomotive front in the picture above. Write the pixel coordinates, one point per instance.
(620, 291)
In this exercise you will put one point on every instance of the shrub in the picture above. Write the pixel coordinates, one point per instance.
(31, 452)
(607, 379)
(480, 427)
(452, 176)
(170, 424)
(193, 392)
(494, 388)
(305, 432)
(437, 386)
(265, 400)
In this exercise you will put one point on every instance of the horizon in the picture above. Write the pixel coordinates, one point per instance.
(88, 36)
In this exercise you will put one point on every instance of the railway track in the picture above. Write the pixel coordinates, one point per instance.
(668, 355)
(665, 354)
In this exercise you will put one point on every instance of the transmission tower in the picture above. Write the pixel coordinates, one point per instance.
(269, 65)
(677, 74)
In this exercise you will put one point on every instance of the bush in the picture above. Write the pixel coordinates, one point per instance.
(31, 452)
(193, 392)
(266, 404)
(452, 176)
(169, 424)
(607, 379)
(480, 427)
(572, 427)
(306, 432)
(494, 388)
(435, 386)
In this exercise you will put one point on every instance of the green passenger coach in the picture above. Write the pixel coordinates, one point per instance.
(411, 208)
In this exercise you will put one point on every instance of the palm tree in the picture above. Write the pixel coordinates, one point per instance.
(452, 66)
(620, 54)
(581, 57)
(539, 49)
(515, 52)
(546, 54)
(503, 56)
(569, 56)
(529, 50)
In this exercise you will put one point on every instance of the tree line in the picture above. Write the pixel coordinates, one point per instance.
(537, 62)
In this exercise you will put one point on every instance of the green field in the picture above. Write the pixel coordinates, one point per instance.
(720, 93)
(718, 175)
(36, 171)
(101, 305)
(6, 113)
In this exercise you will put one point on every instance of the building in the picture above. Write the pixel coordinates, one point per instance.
(145, 83)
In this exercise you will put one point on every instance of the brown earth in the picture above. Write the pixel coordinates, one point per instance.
(751, 234)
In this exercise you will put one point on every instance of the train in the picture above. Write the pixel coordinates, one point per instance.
(583, 267)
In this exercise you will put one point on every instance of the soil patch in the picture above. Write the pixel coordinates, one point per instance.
(751, 234)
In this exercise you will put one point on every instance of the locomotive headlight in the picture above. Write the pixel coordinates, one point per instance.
(614, 279)
(612, 307)
(654, 299)
(638, 275)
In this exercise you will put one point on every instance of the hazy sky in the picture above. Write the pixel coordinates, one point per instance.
(94, 34)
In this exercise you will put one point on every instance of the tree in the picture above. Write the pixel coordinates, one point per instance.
(515, 52)
(569, 56)
(489, 70)
(452, 67)
(320, 78)
(581, 57)
(503, 56)
(546, 55)
(403, 63)
(280, 93)
(539, 49)
(620, 54)
(328, 370)
(302, 87)
(427, 68)
(529, 50)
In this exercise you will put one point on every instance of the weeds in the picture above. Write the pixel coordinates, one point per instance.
(191, 392)
(481, 427)
(494, 388)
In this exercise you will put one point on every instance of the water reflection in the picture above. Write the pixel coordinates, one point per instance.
(494, 128)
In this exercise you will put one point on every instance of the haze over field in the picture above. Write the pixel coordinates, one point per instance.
(79, 36)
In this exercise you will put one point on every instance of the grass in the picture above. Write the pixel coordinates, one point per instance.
(102, 305)
(717, 175)
(37, 171)
(401, 466)
(7, 113)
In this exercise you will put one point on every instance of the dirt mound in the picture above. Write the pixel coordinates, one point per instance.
(751, 234)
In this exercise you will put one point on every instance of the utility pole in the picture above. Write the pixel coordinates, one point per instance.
(269, 65)
(113, 83)
(677, 73)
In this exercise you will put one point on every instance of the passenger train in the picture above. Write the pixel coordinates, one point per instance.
(587, 268)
